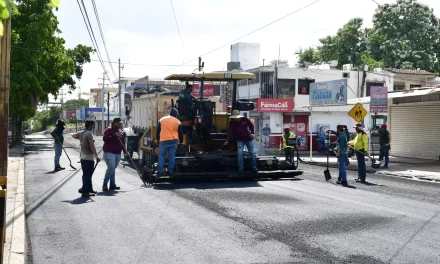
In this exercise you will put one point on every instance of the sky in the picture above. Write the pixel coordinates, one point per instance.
(145, 31)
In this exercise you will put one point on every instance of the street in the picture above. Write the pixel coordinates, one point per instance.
(306, 220)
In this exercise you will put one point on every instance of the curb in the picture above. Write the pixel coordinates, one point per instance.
(15, 240)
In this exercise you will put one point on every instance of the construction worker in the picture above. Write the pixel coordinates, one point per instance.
(168, 135)
(288, 143)
(114, 142)
(342, 156)
(58, 136)
(360, 145)
(243, 129)
(186, 95)
(88, 154)
(347, 135)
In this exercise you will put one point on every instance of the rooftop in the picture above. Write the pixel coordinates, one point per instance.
(406, 71)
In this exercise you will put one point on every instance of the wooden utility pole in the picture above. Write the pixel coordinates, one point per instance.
(5, 56)
(120, 95)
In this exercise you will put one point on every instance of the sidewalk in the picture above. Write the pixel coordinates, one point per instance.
(15, 239)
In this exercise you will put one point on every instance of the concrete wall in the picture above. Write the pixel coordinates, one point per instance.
(248, 54)
(320, 76)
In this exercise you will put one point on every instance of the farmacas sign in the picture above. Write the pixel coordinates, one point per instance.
(274, 105)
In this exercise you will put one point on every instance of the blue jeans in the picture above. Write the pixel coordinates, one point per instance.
(342, 167)
(384, 153)
(169, 146)
(362, 168)
(250, 146)
(87, 168)
(112, 160)
(58, 152)
(321, 144)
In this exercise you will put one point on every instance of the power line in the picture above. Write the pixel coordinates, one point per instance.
(142, 64)
(258, 29)
(102, 36)
(177, 24)
(376, 2)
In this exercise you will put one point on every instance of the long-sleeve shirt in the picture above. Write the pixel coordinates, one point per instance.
(186, 96)
(111, 142)
(360, 142)
(242, 130)
(58, 133)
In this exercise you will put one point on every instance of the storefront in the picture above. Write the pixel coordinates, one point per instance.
(272, 113)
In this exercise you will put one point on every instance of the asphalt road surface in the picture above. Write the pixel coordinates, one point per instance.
(307, 220)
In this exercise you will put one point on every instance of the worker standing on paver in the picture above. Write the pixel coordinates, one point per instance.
(58, 136)
(360, 144)
(186, 95)
(243, 129)
(114, 142)
(168, 135)
(88, 154)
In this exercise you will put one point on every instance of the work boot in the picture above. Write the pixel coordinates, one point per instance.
(104, 188)
(114, 187)
(86, 195)
(57, 169)
(61, 168)
(344, 183)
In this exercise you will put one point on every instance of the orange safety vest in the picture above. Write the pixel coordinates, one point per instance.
(169, 128)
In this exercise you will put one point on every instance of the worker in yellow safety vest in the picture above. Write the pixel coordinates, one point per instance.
(288, 143)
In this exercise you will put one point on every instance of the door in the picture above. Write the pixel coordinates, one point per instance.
(414, 131)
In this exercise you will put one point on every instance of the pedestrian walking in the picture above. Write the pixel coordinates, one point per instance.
(342, 155)
(243, 129)
(114, 142)
(88, 155)
(57, 134)
(360, 144)
(385, 145)
(168, 135)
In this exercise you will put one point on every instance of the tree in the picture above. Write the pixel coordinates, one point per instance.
(309, 55)
(40, 64)
(76, 103)
(405, 35)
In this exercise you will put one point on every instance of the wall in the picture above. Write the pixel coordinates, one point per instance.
(276, 122)
(251, 91)
(320, 76)
(248, 54)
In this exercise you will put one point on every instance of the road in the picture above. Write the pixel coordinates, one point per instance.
(307, 220)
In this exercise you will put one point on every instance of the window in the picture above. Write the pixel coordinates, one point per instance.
(304, 85)
(415, 86)
(399, 87)
(370, 84)
(345, 75)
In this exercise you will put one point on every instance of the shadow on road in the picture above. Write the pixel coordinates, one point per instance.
(79, 200)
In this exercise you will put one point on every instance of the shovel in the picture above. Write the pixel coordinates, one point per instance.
(327, 171)
(374, 163)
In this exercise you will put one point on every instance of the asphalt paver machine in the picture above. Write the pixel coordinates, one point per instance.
(203, 154)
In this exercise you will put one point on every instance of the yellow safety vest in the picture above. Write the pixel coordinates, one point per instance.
(284, 142)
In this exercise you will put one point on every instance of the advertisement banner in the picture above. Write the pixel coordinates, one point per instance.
(378, 99)
(328, 93)
(90, 113)
(301, 135)
(275, 105)
(208, 90)
(68, 114)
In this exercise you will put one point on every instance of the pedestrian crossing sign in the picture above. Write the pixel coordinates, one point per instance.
(358, 112)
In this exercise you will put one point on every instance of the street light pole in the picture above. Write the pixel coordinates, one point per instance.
(102, 103)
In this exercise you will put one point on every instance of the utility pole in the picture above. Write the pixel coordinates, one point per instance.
(102, 102)
(108, 108)
(120, 89)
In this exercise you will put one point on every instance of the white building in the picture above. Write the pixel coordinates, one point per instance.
(114, 103)
(247, 54)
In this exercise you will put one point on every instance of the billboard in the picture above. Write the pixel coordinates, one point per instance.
(68, 114)
(378, 99)
(208, 90)
(328, 93)
(275, 105)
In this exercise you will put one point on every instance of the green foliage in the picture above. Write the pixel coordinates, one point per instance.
(309, 55)
(46, 118)
(405, 35)
(76, 103)
(41, 64)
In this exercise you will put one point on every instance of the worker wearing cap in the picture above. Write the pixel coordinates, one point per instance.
(288, 143)
(168, 134)
(243, 129)
(384, 141)
(57, 134)
(360, 145)
(114, 144)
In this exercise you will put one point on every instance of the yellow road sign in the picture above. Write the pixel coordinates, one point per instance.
(358, 112)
